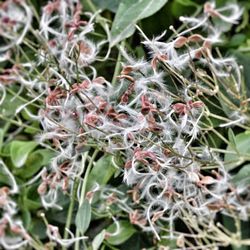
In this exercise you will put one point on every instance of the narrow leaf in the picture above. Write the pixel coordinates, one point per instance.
(98, 240)
(83, 216)
(231, 138)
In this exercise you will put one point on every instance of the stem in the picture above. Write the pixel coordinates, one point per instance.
(91, 5)
(36, 245)
(99, 18)
(83, 190)
(117, 67)
(84, 184)
(245, 242)
(22, 99)
(18, 123)
(71, 208)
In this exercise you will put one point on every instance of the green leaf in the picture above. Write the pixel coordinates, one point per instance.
(229, 224)
(125, 232)
(19, 151)
(96, 243)
(183, 7)
(231, 138)
(5, 177)
(30, 199)
(6, 149)
(233, 160)
(26, 216)
(38, 228)
(35, 161)
(244, 60)
(245, 20)
(60, 215)
(188, 3)
(9, 106)
(128, 14)
(1, 138)
(83, 216)
(33, 128)
(31, 204)
(101, 172)
(111, 5)
(236, 40)
(243, 176)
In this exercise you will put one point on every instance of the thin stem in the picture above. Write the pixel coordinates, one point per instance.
(22, 99)
(71, 208)
(84, 184)
(18, 123)
(83, 189)
(117, 67)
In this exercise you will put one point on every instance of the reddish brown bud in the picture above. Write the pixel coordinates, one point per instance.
(137, 219)
(128, 165)
(127, 69)
(180, 42)
(195, 38)
(129, 78)
(16, 229)
(99, 80)
(84, 48)
(180, 108)
(198, 54)
(147, 106)
(207, 45)
(197, 104)
(157, 215)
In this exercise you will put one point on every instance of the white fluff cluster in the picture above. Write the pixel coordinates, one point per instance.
(152, 117)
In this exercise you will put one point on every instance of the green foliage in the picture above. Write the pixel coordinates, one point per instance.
(126, 230)
(238, 150)
(243, 176)
(128, 14)
(111, 5)
(83, 216)
(19, 151)
(34, 162)
(97, 241)
(10, 105)
(101, 172)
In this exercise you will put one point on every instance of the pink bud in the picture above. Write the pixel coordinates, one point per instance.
(207, 180)
(42, 188)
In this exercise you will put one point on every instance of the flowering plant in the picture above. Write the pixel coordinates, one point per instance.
(157, 149)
